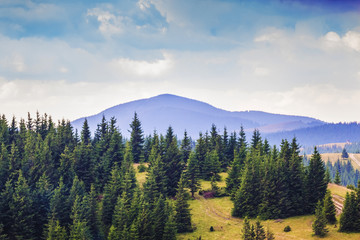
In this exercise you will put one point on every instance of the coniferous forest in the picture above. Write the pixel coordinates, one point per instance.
(57, 183)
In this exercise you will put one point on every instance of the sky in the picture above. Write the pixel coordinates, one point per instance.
(75, 58)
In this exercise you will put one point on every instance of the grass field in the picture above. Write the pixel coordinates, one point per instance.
(333, 157)
(216, 212)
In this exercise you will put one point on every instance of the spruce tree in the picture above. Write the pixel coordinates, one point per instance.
(337, 179)
(259, 230)
(247, 231)
(315, 183)
(349, 219)
(233, 179)
(192, 174)
(329, 208)
(344, 154)
(136, 139)
(319, 225)
(182, 212)
(85, 133)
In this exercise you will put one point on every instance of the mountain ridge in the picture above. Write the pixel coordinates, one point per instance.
(161, 111)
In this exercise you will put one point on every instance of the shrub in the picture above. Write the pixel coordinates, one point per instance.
(142, 168)
(287, 228)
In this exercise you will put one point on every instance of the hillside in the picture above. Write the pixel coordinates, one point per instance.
(322, 134)
(157, 113)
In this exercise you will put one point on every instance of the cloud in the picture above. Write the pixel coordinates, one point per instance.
(144, 68)
(350, 40)
(109, 23)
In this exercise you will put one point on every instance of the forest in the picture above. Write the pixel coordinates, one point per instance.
(56, 183)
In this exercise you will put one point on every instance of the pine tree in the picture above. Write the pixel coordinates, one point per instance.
(173, 165)
(248, 196)
(182, 211)
(55, 231)
(344, 154)
(259, 230)
(337, 179)
(327, 175)
(111, 193)
(185, 148)
(192, 174)
(170, 228)
(136, 139)
(22, 207)
(319, 225)
(315, 184)
(155, 183)
(349, 219)
(200, 151)
(247, 231)
(329, 208)
(85, 133)
(233, 179)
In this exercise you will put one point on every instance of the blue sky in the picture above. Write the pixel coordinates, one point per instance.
(75, 58)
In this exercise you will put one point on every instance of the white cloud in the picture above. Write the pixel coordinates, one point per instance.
(144, 4)
(110, 24)
(144, 68)
(351, 40)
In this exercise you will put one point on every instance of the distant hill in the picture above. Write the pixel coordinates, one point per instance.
(322, 134)
(158, 113)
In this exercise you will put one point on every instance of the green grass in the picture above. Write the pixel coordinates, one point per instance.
(216, 212)
(338, 190)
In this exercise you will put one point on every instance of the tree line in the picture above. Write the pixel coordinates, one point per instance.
(56, 183)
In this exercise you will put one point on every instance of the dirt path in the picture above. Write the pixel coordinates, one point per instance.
(339, 203)
(212, 211)
(351, 155)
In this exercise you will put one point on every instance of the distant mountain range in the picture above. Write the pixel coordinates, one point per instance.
(160, 112)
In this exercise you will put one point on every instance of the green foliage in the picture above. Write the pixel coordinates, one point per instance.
(247, 230)
(182, 212)
(344, 153)
(349, 219)
(142, 168)
(136, 139)
(329, 208)
(287, 228)
(337, 179)
(315, 183)
(192, 174)
(319, 225)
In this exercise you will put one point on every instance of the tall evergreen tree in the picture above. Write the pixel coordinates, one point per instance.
(349, 219)
(319, 225)
(192, 174)
(136, 139)
(85, 133)
(337, 179)
(247, 231)
(329, 208)
(233, 179)
(315, 183)
(182, 211)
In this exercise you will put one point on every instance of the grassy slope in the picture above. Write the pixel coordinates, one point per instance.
(217, 213)
(333, 157)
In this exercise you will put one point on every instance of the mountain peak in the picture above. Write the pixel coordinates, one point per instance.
(161, 111)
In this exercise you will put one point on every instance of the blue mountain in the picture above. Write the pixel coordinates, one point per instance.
(160, 112)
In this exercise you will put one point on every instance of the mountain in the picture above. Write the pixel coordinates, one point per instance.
(159, 112)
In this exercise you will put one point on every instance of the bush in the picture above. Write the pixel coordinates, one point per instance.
(350, 186)
(142, 168)
(212, 229)
(287, 228)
